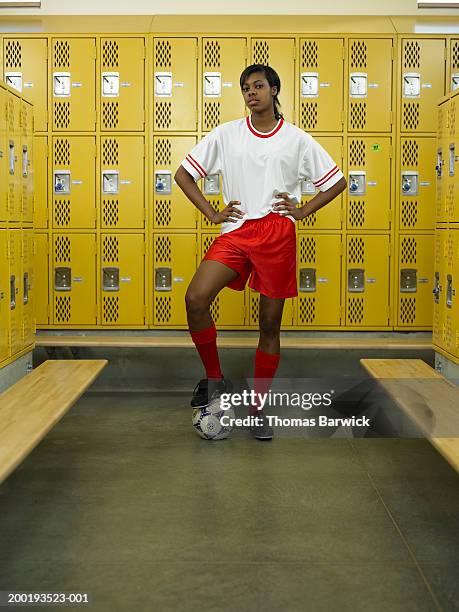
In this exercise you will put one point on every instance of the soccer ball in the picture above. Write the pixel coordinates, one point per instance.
(206, 421)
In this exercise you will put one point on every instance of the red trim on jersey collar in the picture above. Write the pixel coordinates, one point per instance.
(264, 134)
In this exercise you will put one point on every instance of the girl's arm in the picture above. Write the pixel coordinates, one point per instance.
(322, 198)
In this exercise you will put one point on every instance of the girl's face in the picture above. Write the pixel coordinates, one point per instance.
(258, 95)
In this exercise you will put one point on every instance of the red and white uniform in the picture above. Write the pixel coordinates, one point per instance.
(256, 165)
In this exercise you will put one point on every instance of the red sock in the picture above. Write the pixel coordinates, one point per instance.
(265, 368)
(206, 344)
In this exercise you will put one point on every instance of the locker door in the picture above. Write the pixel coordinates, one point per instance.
(171, 207)
(74, 279)
(4, 151)
(73, 182)
(40, 282)
(415, 280)
(369, 192)
(279, 53)
(175, 84)
(253, 300)
(439, 286)
(122, 181)
(228, 308)
(73, 84)
(15, 290)
(367, 290)
(26, 159)
(28, 297)
(330, 216)
(370, 85)
(441, 212)
(455, 287)
(319, 280)
(4, 296)
(224, 59)
(14, 156)
(26, 69)
(321, 84)
(40, 151)
(122, 84)
(423, 83)
(174, 266)
(417, 177)
(122, 279)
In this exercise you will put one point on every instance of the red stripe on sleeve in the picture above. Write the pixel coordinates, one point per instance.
(198, 167)
(325, 177)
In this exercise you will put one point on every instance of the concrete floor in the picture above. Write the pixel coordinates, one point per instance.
(123, 501)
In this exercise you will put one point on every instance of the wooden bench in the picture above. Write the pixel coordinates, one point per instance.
(425, 396)
(32, 406)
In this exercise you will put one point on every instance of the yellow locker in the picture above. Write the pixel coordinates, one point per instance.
(224, 59)
(288, 314)
(415, 280)
(369, 183)
(228, 307)
(174, 257)
(171, 208)
(74, 279)
(321, 84)
(14, 156)
(441, 214)
(370, 85)
(40, 282)
(279, 53)
(73, 84)
(26, 69)
(122, 84)
(417, 185)
(122, 181)
(122, 279)
(423, 83)
(319, 280)
(330, 216)
(40, 183)
(367, 277)
(455, 276)
(175, 84)
(4, 153)
(28, 289)
(15, 290)
(27, 166)
(73, 182)
(438, 290)
(451, 310)
(4, 295)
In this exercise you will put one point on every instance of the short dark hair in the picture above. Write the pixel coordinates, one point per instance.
(271, 76)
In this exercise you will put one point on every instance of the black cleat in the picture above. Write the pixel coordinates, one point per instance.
(260, 428)
(203, 395)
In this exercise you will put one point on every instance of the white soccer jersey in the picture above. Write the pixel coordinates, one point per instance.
(255, 165)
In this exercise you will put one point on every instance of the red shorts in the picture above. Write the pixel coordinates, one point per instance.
(265, 250)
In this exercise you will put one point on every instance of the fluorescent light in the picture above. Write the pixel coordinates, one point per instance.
(18, 4)
(438, 4)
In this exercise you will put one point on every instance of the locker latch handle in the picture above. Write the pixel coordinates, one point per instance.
(111, 279)
(308, 280)
(163, 279)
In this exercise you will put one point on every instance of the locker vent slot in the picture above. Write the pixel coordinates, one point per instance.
(163, 250)
(163, 113)
(163, 152)
(110, 249)
(307, 310)
(111, 308)
(450, 199)
(254, 306)
(110, 54)
(455, 55)
(408, 310)
(111, 212)
(10, 115)
(211, 114)
(358, 115)
(356, 213)
(308, 250)
(308, 114)
(450, 254)
(163, 54)
(355, 310)
(410, 115)
(448, 335)
(409, 213)
(412, 55)
(206, 245)
(61, 54)
(61, 114)
(261, 52)
(309, 222)
(215, 309)
(162, 308)
(110, 152)
(62, 249)
(110, 114)
(358, 54)
(62, 215)
(309, 54)
(61, 152)
(24, 120)
(452, 118)
(63, 308)
(357, 152)
(212, 54)
(163, 213)
(13, 54)
(440, 121)
(410, 153)
(356, 251)
(409, 251)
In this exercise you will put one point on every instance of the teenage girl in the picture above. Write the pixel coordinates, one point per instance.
(262, 159)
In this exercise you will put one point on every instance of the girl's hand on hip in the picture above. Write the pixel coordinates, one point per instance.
(287, 206)
(230, 213)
